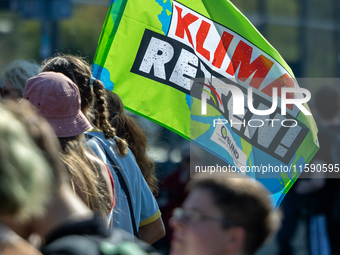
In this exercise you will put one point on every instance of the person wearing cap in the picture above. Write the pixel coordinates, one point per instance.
(222, 215)
(38, 187)
(136, 209)
(57, 99)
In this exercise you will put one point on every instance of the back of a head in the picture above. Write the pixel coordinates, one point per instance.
(79, 71)
(76, 69)
(114, 106)
(244, 201)
(57, 99)
(25, 174)
(115, 112)
(19, 71)
(114, 103)
(127, 128)
(42, 134)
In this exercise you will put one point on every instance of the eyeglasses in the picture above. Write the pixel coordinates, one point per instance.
(195, 217)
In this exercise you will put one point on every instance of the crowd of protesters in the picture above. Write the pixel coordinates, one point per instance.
(75, 177)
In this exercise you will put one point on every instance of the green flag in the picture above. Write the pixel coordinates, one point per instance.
(202, 70)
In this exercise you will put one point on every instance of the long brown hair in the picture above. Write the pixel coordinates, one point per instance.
(69, 157)
(79, 71)
(66, 157)
(84, 173)
(127, 128)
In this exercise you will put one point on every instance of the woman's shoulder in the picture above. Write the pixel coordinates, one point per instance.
(109, 146)
(96, 160)
(99, 136)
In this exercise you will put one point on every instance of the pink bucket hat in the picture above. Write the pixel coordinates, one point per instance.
(57, 99)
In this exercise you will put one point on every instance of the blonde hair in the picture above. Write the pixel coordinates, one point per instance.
(25, 174)
(19, 71)
(84, 174)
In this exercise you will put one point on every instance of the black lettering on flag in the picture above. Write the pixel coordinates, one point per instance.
(175, 64)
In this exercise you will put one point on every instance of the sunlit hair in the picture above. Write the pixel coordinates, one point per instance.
(84, 173)
(128, 129)
(67, 154)
(242, 201)
(25, 174)
(79, 71)
(19, 71)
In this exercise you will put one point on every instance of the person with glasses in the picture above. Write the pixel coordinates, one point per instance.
(223, 215)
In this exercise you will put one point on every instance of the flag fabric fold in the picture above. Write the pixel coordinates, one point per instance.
(202, 70)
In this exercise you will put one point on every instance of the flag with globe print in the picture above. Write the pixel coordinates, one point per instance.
(202, 70)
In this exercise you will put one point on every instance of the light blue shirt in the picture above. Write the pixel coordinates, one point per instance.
(144, 204)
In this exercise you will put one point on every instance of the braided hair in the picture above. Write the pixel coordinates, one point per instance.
(79, 71)
(128, 129)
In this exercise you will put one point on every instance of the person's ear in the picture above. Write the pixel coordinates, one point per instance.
(236, 238)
